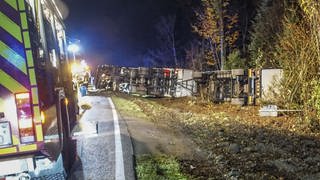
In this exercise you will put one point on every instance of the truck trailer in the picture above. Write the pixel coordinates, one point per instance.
(37, 101)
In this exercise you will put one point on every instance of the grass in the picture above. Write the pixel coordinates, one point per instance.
(128, 108)
(159, 167)
(149, 167)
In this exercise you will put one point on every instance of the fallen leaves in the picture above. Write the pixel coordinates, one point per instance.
(239, 143)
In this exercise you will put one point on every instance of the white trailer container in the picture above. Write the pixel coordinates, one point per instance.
(186, 85)
(270, 79)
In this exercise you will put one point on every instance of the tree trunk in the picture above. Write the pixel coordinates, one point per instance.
(174, 52)
(221, 25)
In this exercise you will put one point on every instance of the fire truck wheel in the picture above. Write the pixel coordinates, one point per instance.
(69, 147)
(68, 153)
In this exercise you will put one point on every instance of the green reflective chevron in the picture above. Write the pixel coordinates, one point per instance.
(11, 84)
(36, 113)
(11, 27)
(32, 77)
(35, 99)
(13, 57)
(24, 23)
(29, 58)
(21, 5)
(26, 39)
(12, 3)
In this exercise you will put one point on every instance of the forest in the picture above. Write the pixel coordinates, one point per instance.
(223, 34)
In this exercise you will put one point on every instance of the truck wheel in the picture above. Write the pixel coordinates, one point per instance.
(69, 154)
(69, 146)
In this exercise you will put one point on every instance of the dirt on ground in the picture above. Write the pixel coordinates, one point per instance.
(154, 138)
(223, 141)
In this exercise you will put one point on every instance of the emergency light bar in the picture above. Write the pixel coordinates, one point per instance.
(25, 119)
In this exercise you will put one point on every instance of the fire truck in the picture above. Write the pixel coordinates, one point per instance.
(37, 101)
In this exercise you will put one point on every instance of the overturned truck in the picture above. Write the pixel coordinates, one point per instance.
(237, 86)
(156, 82)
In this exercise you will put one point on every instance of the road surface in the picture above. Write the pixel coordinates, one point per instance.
(103, 144)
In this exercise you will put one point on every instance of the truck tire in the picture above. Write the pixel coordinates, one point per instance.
(69, 146)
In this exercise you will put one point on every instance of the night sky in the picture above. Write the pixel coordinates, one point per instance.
(115, 32)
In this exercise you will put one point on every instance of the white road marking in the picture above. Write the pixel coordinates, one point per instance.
(81, 133)
(117, 137)
(93, 135)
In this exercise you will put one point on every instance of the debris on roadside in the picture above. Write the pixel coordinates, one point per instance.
(239, 143)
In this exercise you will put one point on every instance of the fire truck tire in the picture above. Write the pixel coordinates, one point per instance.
(68, 146)
(65, 157)
(69, 155)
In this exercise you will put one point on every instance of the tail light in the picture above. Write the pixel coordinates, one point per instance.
(25, 119)
(166, 73)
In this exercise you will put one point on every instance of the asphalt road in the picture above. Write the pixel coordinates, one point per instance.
(103, 143)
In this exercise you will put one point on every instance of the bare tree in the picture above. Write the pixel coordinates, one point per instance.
(195, 55)
(166, 51)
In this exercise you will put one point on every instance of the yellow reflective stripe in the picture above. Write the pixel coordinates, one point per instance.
(29, 58)
(32, 77)
(23, 18)
(249, 73)
(21, 5)
(8, 150)
(39, 132)
(11, 27)
(34, 92)
(30, 147)
(36, 114)
(13, 57)
(2, 104)
(10, 83)
(15, 140)
(249, 99)
(37, 11)
(12, 3)
(26, 39)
